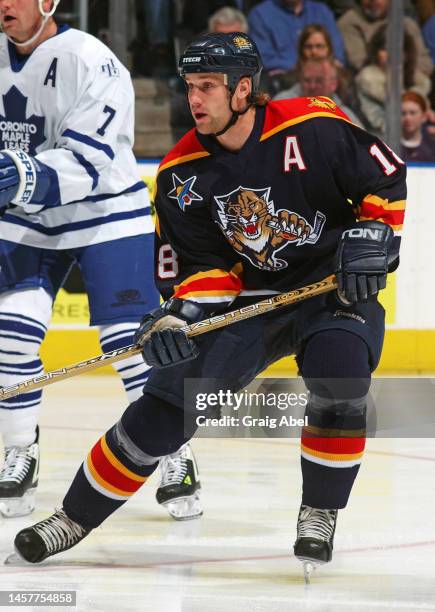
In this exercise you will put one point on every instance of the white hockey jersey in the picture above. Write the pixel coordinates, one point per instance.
(71, 104)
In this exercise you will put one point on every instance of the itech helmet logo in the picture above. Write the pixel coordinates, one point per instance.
(191, 60)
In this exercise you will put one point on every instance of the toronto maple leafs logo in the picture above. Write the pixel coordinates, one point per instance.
(183, 192)
(17, 131)
(248, 219)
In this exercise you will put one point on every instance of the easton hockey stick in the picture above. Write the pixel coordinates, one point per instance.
(195, 329)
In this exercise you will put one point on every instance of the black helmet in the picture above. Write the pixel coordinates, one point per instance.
(233, 54)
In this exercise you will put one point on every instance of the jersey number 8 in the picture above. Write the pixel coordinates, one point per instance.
(167, 262)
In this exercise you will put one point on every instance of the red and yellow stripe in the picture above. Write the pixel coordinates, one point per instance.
(108, 475)
(213, 285)
(374, 208)
(338, 452)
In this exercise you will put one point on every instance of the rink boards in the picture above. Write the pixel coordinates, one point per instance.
(409, 299)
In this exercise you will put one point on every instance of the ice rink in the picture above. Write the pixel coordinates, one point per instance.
(238, 556)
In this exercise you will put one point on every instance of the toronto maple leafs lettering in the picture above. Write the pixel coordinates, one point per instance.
(17, 131)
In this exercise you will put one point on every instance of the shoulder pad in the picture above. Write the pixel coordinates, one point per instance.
(281, 114)
(186, 149)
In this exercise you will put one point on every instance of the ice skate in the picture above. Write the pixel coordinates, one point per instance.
(19, 479)
(179, 487)
(48, 537)
(315, 538)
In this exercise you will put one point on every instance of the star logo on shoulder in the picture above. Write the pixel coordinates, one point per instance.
(183, 192)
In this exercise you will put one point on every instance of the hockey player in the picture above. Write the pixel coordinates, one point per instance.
(69, 192)
(261, 197)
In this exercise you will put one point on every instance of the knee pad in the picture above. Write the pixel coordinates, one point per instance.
(134, 371)
(335, 363)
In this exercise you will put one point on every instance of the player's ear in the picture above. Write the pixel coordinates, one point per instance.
(244, 87)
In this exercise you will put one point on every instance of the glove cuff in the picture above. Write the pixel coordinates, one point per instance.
(184, 309)
(27, 173)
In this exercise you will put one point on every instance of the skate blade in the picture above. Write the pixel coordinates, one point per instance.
(309, 568)
(184, 508)
(16, 560)
(18, 506)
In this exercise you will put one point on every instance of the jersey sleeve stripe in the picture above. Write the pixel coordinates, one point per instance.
(386, 214)
(91, 142)
(90, 169)
(212, 284)
(377, 201)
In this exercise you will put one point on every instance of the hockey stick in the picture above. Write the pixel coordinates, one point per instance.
(195, 329)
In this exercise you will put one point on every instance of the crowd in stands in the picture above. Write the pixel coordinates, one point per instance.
(334, 48)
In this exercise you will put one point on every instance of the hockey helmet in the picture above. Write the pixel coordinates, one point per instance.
(233, 54)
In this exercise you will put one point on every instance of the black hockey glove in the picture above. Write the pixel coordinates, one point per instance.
(361, 261)
(163, 343)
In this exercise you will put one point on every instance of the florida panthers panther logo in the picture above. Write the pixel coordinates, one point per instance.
(248, 219)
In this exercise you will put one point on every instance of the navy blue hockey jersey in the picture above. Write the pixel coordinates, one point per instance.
(268, 218)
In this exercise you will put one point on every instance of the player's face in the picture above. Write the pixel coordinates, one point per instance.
(412, 118)
(209, 101)
(20, 18)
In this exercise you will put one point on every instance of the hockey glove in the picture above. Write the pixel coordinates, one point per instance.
(27, 182)
(159, 334)
(361, 261)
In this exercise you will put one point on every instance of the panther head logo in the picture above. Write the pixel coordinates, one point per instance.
(248, 220)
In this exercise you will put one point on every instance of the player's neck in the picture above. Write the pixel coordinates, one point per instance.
(238, 134)
(49, 30)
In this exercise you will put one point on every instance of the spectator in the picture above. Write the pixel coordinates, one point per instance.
(371, 81)
(196, 13)
(275, 25)
(416, 144)
(315, 43)
(228, 19)
(424, 9)
(358, 26)
(318, 77)
(429, 35)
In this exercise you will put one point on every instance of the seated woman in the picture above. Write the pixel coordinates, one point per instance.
(417, 145)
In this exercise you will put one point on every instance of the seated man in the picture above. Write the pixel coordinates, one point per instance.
(318, 77)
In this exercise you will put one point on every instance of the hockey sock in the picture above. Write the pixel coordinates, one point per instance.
(133, 371)
(336, 370)
(24, 317)
(122, 460)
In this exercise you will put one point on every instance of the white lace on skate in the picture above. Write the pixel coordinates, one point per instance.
(16, 465)
(173, 469)
(59, 532)
(316, 523)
